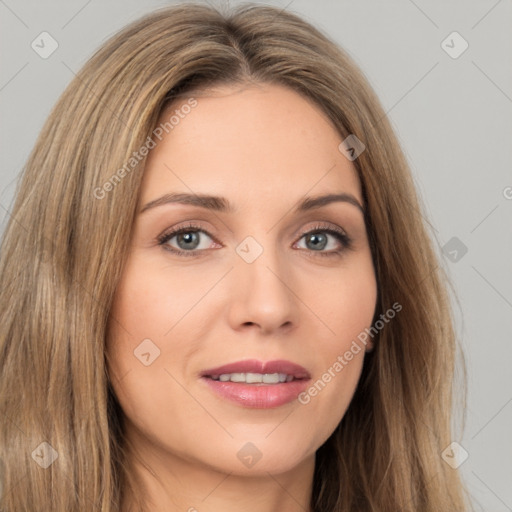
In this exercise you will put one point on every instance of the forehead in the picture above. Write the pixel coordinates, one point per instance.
(247, 143)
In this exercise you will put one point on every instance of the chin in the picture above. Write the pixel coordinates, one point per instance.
(253, 458)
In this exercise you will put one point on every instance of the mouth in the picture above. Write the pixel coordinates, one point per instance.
(254, 378)
(252, 371)
(255, 384)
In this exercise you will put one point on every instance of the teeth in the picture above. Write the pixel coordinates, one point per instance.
(254, 378)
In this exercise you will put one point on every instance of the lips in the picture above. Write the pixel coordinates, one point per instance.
(254, 366)
(260, 395)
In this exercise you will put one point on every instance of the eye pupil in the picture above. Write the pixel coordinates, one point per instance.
(315, 237)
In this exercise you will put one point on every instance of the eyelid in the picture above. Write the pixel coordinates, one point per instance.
(334, 230)
(321, 226)
(189, 226)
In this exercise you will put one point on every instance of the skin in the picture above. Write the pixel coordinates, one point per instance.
(263, 147)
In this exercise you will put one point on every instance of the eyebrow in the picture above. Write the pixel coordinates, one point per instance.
(221, 204)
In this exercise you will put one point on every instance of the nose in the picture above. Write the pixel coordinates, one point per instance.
(262, 296)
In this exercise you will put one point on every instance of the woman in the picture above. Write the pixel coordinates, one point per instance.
(217, 288)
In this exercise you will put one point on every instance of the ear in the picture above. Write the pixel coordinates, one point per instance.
(369, 346)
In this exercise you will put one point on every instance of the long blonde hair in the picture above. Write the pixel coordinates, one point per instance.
(65, 244)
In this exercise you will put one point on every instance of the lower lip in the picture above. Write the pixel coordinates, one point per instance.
(259, 396)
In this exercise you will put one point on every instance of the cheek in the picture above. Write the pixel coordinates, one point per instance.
(344, 301)
(151, 300)
(346, 306)
(151, 337)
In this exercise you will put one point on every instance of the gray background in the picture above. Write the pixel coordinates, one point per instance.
(452, 115)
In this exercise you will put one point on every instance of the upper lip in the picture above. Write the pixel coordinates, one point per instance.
(255, 366)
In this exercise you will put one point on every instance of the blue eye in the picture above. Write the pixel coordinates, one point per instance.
(188, 239)
(318, 239)
(187, 236)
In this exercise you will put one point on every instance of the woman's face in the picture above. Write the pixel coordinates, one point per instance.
(263, 279)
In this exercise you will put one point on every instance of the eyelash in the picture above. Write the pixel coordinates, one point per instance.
(339, 234)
